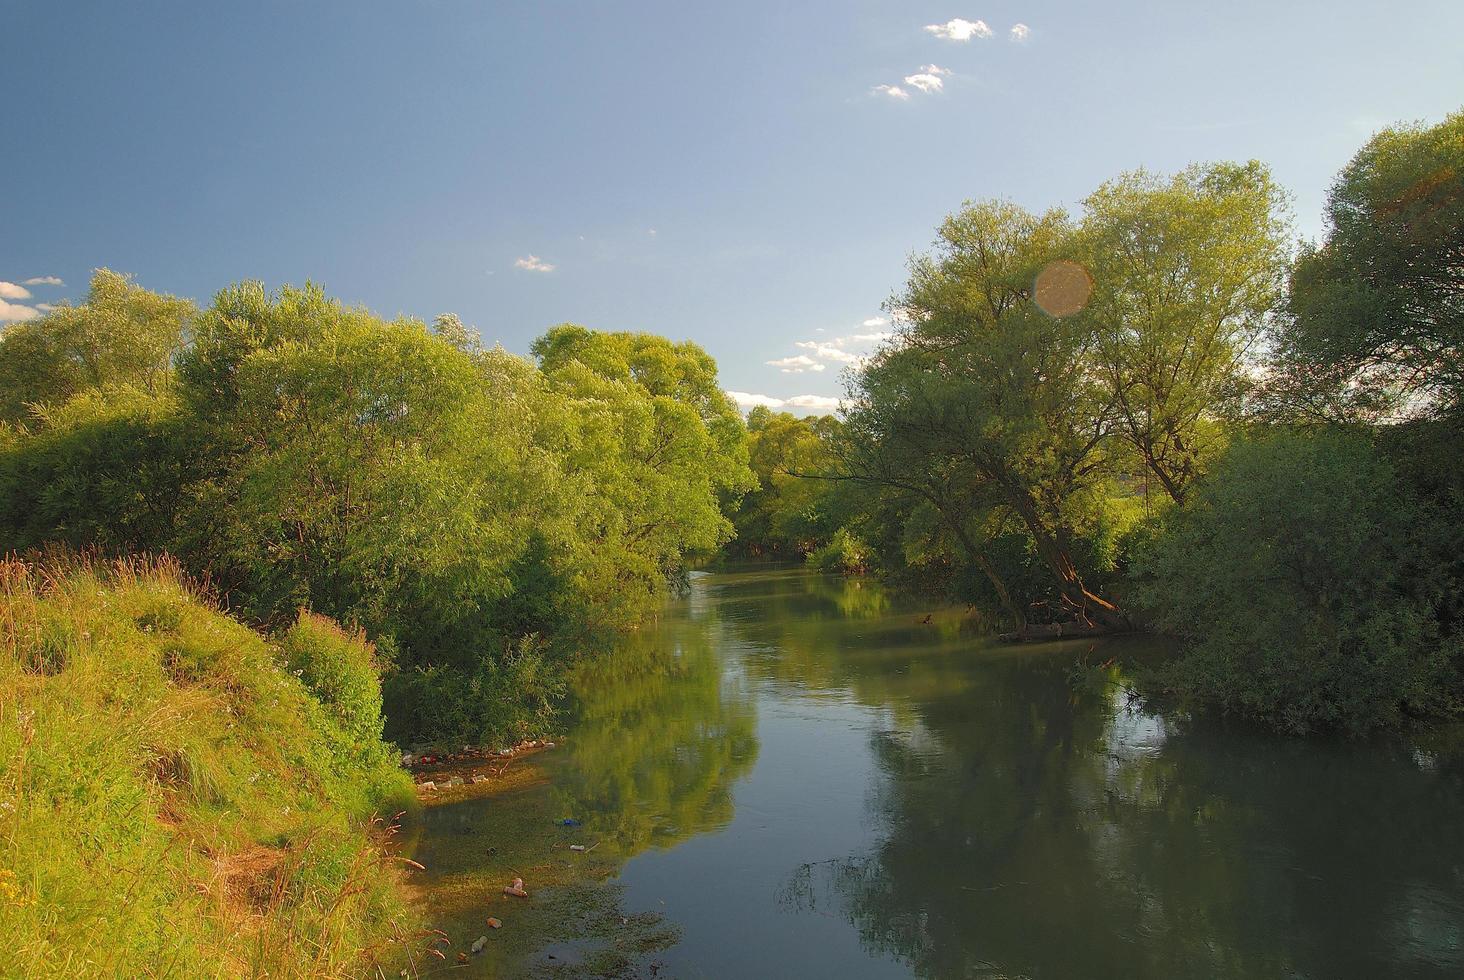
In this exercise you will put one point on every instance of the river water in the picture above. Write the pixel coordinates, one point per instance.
(803, 778)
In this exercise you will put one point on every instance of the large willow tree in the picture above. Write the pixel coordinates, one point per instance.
(1186, 273)
(996, 397)
(1044, 362)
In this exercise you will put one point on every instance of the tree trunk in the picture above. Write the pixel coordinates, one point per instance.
(1089, 606)
(979, 560)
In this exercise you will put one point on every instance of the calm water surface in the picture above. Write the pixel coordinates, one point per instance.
(809, 781)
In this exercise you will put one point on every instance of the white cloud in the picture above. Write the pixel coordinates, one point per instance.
(959, 29)
(851, 349)
(747, 399)
(532, 263)
(45, 307)
(829, 352)
(797, 364)
(813, 401)
(44, 281)
(893, 91)
(9, 290)
(1020, 32)
(15, 312)
(925, 82)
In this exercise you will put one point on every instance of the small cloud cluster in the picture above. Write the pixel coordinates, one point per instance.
(959, 29)
(851, 349)
(532, 263)
(796, 364)
(828, 352)
(17, 312)
(929, 80)
(746, 400)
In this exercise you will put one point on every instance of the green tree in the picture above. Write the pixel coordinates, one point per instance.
(1186, 272)
(369, 470)
(662, 449)
(105, 470)
(790, 511)
(122, 335)
(1377, 310)
(1002, 396)
(1302, 573)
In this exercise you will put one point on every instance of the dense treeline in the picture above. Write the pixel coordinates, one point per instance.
(474, 512)
(1159, 413)
(1154, 412)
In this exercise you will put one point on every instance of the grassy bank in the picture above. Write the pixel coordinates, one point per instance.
(181, 796)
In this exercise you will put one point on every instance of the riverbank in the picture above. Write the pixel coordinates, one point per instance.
(182, 796)
(489, 820)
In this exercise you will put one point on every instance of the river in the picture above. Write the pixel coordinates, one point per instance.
(795, 775)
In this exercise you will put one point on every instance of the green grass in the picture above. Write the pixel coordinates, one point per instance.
(173, 800)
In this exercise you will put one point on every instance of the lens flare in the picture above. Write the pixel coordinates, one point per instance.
(1062, 288)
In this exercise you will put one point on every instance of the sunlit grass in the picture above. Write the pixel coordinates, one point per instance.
(173, 802)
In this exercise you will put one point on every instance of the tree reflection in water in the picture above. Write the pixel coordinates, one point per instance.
(1014, 823)
(661, 734)
(1029, 826)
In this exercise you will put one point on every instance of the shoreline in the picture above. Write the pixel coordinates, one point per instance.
(472, 839)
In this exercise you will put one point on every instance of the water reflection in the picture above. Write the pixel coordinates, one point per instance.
(662, 731)
(1025, 826)
(864, 786)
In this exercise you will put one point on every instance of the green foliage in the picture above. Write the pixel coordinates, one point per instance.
(844, 553)
(1377, 310)
(449, 500)
(1186, 272)
(1303, 576)
(503, 698)
(662, 454)
(174, 803)
(985, 407)
(791, 511)
(123, 335)
(340, 670)
(104, 470)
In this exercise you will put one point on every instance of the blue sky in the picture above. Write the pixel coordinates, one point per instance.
(727, 173)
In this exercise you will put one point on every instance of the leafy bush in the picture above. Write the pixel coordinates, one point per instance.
(844, 553)
(1301, 575)
(502, 699)
(339, 668)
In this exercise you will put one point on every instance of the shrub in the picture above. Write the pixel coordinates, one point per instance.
(844, 553)
(503, 698)
(339, 669)
(1301, 577)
